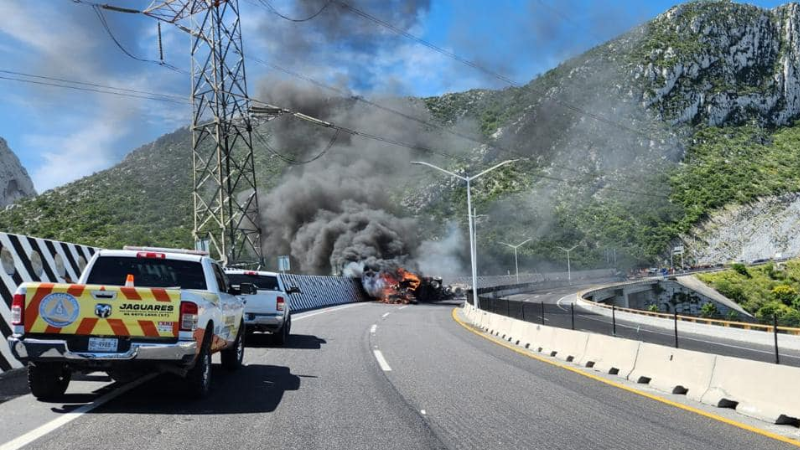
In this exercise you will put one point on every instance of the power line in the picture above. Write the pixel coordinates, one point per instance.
(272, 9)
(98, 10)
(484, 69)
(110, 90)
(89, 89)
(344, 94)
(96, 85)
(406, 145)
(291, 161)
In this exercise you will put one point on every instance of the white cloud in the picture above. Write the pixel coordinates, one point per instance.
(68, 158)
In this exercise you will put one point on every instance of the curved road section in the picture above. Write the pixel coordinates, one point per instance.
(557, 312)
(371, 376)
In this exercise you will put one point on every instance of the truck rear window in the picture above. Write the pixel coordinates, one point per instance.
(265, 282)
(161, 273)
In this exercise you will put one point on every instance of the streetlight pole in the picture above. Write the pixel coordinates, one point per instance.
(569, 269)
(472, 252)
(475, 217)
(515, 247)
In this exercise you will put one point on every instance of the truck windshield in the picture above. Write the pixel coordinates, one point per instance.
(265, 282)
(147, 272)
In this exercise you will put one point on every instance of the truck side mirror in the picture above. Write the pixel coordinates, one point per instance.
(248, 289)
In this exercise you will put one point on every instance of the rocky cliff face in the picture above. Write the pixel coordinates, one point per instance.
(14, 180)
(722, 63)
(761, 229)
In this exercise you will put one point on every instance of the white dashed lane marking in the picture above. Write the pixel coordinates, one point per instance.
(382, 361)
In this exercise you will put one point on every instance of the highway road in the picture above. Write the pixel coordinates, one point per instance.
(557, 313)
(368, 376)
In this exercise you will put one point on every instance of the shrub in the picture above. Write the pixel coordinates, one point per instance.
(708, 310)
(733, 315)
(730, 290)
(741, 269)
(653, 308)
(785, 294)
(772, 309)
(791, 319)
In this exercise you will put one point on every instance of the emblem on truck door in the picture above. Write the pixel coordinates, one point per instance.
(102, 310)
(59, 310)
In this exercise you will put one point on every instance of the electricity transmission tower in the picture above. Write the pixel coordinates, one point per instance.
(225, 197)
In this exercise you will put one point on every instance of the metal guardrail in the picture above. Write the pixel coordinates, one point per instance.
(593, 321)
(682, 318)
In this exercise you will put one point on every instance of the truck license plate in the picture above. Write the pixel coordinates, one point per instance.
(103, 344)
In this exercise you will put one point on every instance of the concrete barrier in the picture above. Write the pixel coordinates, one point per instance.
(26, 259)
(612, 355)
(517, 331)
(756, 389)
(673, 370)
(760, 390)
(529, 336)
(570, 345)
(542, 339)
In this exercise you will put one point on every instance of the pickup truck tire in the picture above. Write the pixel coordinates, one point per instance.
(48, 381)
(199, 376)
(282, 335)
(232, 357)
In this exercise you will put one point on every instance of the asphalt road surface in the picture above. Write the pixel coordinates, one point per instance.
(557, 313)
(372, 376)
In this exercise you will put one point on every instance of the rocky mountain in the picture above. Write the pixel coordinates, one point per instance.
(15, 183)
(758, 230)
(628, 148)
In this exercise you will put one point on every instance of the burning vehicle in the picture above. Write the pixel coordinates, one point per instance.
(398, 285)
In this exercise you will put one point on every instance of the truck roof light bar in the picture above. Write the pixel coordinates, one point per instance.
(165, 250)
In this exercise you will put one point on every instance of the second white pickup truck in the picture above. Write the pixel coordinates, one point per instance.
(267, 306)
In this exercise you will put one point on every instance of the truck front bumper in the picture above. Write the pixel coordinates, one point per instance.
(55, 350)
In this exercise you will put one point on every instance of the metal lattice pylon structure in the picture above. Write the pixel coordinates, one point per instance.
(225, 195)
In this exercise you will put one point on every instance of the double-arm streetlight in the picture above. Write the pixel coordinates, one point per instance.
(569, 271)
(515, 247)
(469, 180)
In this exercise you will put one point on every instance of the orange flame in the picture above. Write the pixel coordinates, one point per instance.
(399, 286)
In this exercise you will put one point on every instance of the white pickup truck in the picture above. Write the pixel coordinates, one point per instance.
(267, 307)
(133, 310)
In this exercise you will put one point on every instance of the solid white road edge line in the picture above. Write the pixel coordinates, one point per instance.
(306, 316)
(381, 362)
(373, 329)
(558, 303)
(54, 424)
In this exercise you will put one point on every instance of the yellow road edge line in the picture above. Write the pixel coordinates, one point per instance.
(663, 400)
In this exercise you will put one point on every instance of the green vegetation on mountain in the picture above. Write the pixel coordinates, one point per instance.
(144, 200)
(629, 146)
(766, 291)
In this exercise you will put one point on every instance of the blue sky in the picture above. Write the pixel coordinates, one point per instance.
(61, 135)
